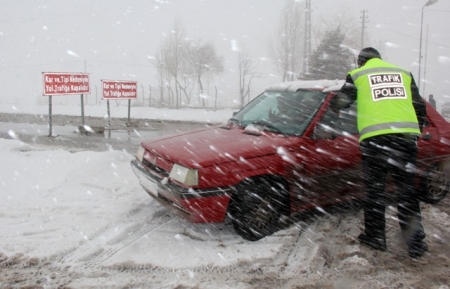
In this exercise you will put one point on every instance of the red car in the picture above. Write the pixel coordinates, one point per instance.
(282, 153)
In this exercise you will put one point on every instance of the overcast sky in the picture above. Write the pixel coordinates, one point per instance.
(113, 39)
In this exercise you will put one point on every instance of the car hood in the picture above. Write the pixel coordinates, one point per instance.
(216, 145)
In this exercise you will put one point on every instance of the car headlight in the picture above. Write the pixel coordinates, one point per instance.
(184, 175)
(140, 153)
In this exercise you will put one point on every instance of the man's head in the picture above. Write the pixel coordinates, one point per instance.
(286, 104)
(366, 54)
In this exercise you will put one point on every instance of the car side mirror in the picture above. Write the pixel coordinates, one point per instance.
(321, 132)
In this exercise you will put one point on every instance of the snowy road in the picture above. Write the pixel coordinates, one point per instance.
(65, 132)
(76, 217)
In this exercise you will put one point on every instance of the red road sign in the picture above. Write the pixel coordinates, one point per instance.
(118, 89)
(66, 83)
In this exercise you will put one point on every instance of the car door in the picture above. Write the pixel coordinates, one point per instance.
(334, 163)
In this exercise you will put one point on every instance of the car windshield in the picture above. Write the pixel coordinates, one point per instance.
(285, 112)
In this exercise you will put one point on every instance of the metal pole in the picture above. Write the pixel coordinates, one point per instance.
(420, 48)
(149, 95)
(82, 110)
(307, 36)
(129, 109)
(363, 27)
(50, 115)
(425, 65)
(215, 98)
(430, 2)
(109, 118)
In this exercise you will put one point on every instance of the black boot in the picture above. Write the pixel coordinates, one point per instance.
(374, 243)
(417, 249)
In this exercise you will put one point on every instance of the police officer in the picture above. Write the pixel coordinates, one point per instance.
(390, 116)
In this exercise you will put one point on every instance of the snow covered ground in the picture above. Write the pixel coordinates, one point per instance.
(150, 113)
(81, 220)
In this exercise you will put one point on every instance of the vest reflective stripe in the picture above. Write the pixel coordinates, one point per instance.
(390, 126)
(378, 69)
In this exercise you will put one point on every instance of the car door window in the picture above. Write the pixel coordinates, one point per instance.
(335, 124)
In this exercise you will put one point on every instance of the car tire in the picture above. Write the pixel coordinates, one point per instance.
(435, 185)
(256, 207)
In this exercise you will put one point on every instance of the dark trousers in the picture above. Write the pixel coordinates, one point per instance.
(395, 154)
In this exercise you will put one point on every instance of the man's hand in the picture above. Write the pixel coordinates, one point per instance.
(340, 101)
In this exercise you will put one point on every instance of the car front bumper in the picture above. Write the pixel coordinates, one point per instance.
(197, 206)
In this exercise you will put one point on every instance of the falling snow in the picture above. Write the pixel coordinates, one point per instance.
(83, 219)
(78, 217)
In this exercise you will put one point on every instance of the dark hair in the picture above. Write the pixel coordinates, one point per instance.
(366, 54)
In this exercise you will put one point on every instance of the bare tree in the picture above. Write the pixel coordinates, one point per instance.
(180, 64)
(246, 74)
(173, 55)
(286, 46)
(163, 75)
(205, 62)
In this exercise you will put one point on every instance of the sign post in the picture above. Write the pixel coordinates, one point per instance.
(56, 83)
(82, 109)
(50, 115)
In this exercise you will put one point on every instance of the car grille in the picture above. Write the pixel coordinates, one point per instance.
(155, 168)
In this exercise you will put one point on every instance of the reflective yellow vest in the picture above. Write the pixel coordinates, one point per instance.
(384, 100)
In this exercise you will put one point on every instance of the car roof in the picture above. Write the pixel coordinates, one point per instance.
(321, 85)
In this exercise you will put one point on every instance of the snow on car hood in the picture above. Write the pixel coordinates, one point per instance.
(215, 145)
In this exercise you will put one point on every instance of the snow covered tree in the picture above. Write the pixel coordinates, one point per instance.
(331, 59)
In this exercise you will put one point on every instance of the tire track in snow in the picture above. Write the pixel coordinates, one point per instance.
(95, 251)
(294, 249)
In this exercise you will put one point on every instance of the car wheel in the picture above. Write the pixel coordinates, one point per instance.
(256, 207)
(436, 184)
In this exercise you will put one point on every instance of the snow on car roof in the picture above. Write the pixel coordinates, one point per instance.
(324, 85)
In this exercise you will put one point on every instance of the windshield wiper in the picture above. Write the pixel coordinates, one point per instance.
(268, 125)
(234, 121)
